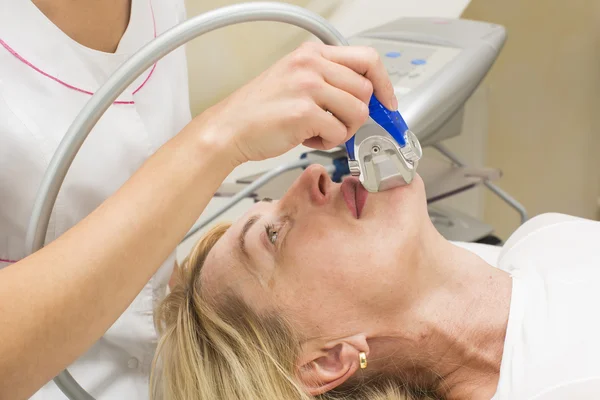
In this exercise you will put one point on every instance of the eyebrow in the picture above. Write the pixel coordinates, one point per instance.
(242, 238)
(251, 221)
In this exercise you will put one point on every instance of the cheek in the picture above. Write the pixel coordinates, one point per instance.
(333, 270)
(326, 288)
(313, 266)
(401, 217)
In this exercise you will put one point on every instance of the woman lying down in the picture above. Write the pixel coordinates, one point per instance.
(334, 293)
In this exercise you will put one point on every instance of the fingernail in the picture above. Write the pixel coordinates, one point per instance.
(394, 103)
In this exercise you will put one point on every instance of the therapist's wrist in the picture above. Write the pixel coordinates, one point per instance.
(215, 140)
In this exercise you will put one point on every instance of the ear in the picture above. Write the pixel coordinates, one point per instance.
(323, 370)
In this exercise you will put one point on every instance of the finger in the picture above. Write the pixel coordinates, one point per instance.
(351, 111)
(346, 79)
(327, 131)
(365, 61)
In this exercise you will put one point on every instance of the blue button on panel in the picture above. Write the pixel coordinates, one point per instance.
(418, 61)
(393, 54)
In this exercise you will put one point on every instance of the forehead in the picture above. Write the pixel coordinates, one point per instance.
(224, 267)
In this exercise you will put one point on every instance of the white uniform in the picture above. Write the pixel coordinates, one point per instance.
(552, 345)
(45, 80)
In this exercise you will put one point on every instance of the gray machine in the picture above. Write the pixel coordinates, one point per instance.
(435, 66)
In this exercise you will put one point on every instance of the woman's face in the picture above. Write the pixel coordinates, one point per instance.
(322, 252)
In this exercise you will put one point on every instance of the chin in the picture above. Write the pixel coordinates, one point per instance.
(415, 188)
(397, 202)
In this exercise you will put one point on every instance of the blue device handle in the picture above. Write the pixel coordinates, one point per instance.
(391, 121)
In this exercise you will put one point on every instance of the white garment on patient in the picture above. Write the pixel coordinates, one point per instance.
(552, 345)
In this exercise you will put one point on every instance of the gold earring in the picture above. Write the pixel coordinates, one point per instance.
(362, 358)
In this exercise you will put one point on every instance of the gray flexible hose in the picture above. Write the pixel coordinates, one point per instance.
(121, 79)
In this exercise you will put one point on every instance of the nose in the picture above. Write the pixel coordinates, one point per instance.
(313, 185)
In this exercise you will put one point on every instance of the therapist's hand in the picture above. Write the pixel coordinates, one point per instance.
(317, 96)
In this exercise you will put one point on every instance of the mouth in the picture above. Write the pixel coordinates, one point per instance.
(355, 195)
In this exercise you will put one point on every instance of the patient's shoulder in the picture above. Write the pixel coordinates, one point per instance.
(584, 389)
(537, 223)
(561, 236)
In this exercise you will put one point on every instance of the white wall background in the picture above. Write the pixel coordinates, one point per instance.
(544, 97)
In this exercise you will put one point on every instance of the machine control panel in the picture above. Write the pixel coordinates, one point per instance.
(409, 64)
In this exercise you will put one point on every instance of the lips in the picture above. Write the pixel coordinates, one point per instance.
(355, 195)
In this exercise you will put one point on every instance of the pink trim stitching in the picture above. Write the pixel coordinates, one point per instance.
(18, 56)
(143, 83)
(153, 19)
(23, 60)
(154, 66)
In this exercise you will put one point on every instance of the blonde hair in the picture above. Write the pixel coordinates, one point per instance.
(228, 351)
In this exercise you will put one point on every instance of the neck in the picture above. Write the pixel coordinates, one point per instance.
(98, 25)
(451, 339)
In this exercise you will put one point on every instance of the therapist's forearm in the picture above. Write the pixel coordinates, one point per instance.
(57, 302)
